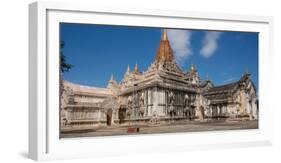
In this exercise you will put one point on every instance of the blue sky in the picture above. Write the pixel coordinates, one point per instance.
(97, 51)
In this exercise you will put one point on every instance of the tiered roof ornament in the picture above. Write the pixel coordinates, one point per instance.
(136, 69)
(192, 68)
(111, 77)
(128, 69)
(112, 82)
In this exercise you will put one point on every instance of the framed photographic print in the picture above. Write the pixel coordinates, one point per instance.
(109, 81)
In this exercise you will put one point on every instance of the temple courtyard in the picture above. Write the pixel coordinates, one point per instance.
(192, 126)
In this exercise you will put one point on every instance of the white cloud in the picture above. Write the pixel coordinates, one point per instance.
(181, 44)
(210, 43)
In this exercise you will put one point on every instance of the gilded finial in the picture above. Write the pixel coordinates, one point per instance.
(164, 35)
(136, 68)
(192, 67)
(165, 51)
(111, 77)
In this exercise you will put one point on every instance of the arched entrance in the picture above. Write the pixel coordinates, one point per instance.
(109, 117)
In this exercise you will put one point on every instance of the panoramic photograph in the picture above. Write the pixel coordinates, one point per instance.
(126, 80)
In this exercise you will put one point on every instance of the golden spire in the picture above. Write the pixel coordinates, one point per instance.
(165, 51)
(136, 68)
(192, 67)
(164, 35)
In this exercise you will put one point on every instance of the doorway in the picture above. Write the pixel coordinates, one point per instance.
(122, 115)
(109, 117)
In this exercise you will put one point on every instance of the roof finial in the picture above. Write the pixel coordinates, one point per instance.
(164, 35)
(165, 51)
(207, 76)
(111, 77)
(128, 69)
(136, 67)
(192, 67)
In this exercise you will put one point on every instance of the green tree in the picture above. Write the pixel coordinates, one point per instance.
(64, 66)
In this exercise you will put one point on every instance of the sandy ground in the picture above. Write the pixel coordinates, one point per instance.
(172, 128)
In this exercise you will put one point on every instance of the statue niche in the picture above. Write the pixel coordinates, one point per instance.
(189, 107)
(171, 100)
(141, 105)
(129, 107)
(186, 105)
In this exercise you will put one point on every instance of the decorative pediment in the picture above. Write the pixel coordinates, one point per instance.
(110, 103)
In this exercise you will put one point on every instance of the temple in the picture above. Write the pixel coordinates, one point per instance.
(162, 94)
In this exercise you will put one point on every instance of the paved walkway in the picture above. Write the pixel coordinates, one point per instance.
(172, 128)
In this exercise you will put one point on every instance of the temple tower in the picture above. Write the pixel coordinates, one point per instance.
(165, 51)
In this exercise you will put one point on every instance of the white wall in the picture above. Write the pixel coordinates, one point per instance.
(14, 81)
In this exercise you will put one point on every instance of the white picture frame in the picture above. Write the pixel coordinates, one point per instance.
(44, 142)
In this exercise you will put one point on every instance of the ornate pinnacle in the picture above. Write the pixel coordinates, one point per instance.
(192, 67)
(165, 52)
(164, 35)
(111, 77)
(136, 68)
(111, 83)
(128, 69)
